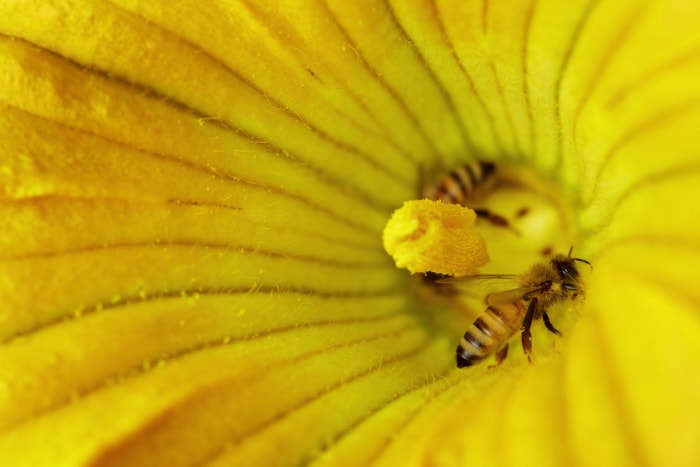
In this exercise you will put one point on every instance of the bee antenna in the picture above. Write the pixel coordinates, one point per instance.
(571, 249)
(583, 261)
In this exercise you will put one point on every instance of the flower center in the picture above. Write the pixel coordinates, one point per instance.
(524, 219)
(538, 209)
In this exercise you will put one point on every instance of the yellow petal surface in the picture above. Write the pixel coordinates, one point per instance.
(192, 198)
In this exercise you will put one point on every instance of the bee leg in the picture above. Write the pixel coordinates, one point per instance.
(501, 354)
(526, 336)
(549, 325)
(496, 220)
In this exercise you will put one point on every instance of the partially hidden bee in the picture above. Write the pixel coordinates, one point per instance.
(460, 185)
(543, 285)
(465, 184)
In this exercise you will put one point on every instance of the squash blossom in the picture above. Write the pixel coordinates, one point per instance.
(193, 198)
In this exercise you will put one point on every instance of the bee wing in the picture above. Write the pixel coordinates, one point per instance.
(479, 285)
(474, 278)
(509, 296)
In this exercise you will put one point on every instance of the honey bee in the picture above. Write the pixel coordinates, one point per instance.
(465, 184)
(544, 284)
(460, 185)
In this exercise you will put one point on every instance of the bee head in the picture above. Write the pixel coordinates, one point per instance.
(567, 270)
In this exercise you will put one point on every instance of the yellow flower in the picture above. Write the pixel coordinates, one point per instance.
(193, 197)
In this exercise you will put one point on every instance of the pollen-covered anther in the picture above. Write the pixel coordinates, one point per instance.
(432, 236)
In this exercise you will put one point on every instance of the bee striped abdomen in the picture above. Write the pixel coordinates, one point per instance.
(482, 338)
(457, 186)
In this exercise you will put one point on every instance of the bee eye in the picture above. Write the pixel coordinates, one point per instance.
(566, 271)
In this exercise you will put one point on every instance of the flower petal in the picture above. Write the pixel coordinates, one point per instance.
(194, 199)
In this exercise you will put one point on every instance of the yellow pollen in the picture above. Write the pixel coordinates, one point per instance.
(425, 235)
